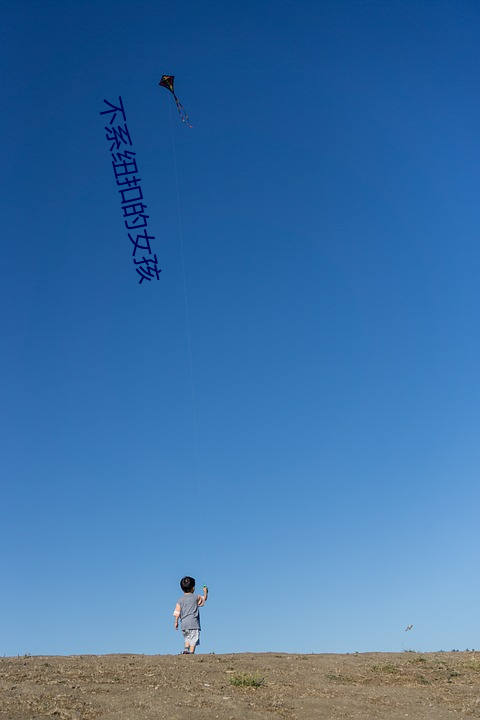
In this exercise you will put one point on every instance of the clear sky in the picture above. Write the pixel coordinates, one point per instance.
(324, 481)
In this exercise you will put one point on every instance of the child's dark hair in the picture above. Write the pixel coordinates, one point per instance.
(187, 584)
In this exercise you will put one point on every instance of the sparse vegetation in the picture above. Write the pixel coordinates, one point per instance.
(331, 676)
(247, 680)
(340, 678)
(418, 659)
(385, 669)
(473, 665)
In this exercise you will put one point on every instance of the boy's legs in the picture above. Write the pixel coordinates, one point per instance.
(192, 639)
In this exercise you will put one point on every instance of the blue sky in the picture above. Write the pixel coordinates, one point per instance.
(324, 480)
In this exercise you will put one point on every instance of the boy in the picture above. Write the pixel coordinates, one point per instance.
(187, 610)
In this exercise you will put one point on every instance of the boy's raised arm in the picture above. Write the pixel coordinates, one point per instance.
(202, 599)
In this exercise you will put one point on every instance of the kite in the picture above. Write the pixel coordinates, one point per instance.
(167, 82)
(408, 628)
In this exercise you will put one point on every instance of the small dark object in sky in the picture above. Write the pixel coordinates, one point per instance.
(167, 82)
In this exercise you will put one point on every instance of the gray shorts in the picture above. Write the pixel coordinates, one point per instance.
(191, 637)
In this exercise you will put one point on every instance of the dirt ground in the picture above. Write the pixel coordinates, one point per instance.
(436, 686)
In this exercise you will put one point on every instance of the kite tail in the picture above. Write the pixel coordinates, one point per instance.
(182, 112)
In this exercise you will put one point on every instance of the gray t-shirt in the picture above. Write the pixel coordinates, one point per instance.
(189, 614)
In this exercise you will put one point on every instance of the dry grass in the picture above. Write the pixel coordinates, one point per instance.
(377, 686)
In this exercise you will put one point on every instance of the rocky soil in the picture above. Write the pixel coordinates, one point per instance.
(437, 686)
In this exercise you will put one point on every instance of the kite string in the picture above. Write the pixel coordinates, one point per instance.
(189, 346)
